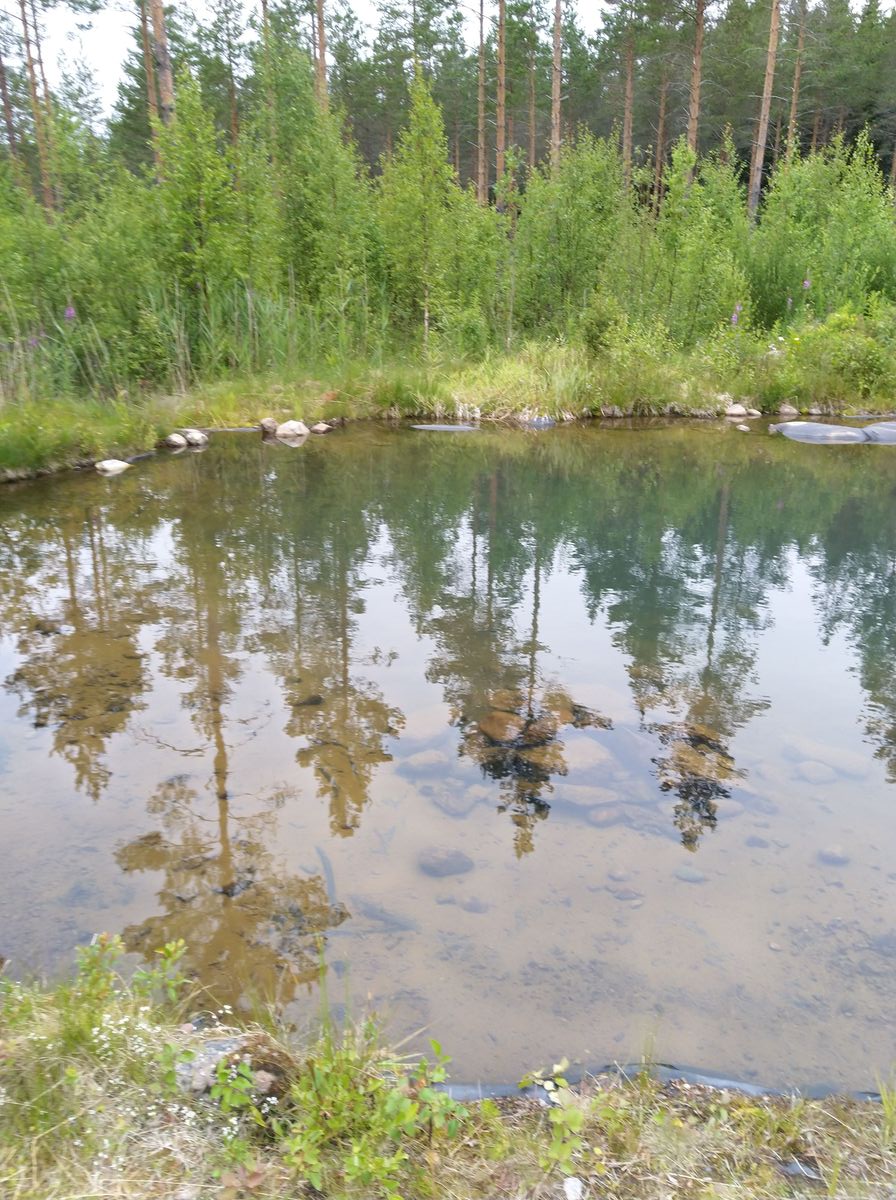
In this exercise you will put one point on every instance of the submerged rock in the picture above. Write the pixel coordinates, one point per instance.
(501, 727)
(690, 875)
(816, 772)
(111, 466)
(833, 856)
(438, 863)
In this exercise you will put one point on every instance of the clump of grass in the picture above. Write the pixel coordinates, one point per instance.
(90, 1105)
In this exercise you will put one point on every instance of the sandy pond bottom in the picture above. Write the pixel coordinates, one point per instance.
(572, 743)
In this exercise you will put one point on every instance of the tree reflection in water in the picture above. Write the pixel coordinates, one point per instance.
(192, 567)
(249, 926)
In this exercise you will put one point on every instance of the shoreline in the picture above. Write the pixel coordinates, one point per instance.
(524, 422)
(145, 1101)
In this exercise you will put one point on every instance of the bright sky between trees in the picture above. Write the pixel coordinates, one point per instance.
(102, 42)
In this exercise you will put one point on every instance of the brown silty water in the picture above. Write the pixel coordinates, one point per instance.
(571, 743)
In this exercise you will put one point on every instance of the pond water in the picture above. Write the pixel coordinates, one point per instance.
(580, 742)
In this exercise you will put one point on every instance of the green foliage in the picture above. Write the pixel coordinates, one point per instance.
(568, 227)
(439, 247)
(827, 237)
(354, 1114)
(567, 1115)
(258, 247)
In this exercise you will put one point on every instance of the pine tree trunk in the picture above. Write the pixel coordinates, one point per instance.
(660, 147)
(795, 90)
(532, 139)
(776, 146)
(234, 109)
(321, 57)
(152, 103)
(39, 58)
(231, 90)
(37, 114)
(816, 130)
(46, 99)
(481, 149)
(8, 119)
(764, 111)
(162, 60)
(627, 112)
(696, 77)
(501, 113)
(556, 67)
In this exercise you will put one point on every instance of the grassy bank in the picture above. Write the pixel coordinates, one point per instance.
(842, 365)
(106, 1090)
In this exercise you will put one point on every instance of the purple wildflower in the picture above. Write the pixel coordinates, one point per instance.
(70, 313)
(32, 342)
(807, 283)
(735, 317)
(738, 308)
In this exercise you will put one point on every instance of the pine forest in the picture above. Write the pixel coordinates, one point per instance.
(458, 209)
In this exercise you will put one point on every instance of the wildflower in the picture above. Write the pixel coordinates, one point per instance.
(807, 283)
(70, 313)
(735, 317)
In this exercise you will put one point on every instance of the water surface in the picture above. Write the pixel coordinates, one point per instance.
(575, 742)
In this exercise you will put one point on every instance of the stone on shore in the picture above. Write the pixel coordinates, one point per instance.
(111, 466)
(268, 426)
(787, 410)
(291, 431)
(735, 410)
(175, 441)
(321, 427)
(195, 437)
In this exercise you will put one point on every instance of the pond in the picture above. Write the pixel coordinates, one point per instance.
(579, 742)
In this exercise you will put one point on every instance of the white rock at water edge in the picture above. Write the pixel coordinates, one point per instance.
(268, 426)
(735, 410)
(195, 437)
(321, 427)
(290, 430)
(111, 466)
(787, 410)
(175, 441)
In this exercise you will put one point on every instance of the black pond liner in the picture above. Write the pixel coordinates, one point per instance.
(662, 1072)
(446, 428)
